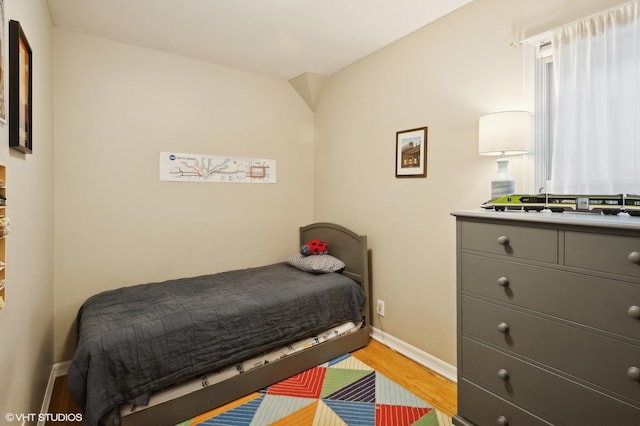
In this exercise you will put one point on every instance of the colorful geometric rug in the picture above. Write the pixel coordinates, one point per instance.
(343, 391)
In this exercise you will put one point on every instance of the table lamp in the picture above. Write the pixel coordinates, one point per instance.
(504, 133)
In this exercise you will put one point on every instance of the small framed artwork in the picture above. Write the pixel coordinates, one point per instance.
(20, 90)
(411, 153)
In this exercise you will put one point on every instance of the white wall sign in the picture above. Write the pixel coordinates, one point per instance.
(180, 167)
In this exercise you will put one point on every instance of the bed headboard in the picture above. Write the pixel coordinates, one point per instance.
(347, 246)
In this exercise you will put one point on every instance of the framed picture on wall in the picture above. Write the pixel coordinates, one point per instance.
(411, 153)
(20, 90)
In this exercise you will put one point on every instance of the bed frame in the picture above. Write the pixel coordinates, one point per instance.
(344, 244)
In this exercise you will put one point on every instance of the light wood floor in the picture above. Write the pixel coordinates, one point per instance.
(424, 383)
(427, 385)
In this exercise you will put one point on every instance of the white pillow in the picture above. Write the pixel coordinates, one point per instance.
(317, 263)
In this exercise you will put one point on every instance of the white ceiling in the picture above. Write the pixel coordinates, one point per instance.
(279, 38)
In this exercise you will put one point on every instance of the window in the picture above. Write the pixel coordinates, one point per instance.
(586, 101)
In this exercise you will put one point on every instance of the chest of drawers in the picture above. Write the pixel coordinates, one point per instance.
(548, 319)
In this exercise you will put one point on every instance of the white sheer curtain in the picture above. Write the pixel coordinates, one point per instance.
(596, 148)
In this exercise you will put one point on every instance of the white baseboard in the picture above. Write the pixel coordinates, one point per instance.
(59, 369)
(421, 357)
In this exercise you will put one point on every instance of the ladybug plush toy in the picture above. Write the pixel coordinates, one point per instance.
(314, 247)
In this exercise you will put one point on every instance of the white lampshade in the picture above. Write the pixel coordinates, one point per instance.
(504, 133)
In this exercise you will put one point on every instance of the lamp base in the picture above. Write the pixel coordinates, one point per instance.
(503, 183)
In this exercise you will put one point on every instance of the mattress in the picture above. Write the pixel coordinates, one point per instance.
(210, 379)
(136, 340)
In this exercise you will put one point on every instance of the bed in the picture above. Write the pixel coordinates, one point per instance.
(139, 342)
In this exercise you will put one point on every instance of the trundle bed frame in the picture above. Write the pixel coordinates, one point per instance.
(344, 244)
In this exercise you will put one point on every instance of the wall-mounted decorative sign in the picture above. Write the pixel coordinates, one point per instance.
(20, 90)
(180, 167)
(411, 153)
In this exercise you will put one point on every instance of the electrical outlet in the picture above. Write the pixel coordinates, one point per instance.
(380, 307)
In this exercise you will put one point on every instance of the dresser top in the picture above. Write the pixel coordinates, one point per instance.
(620, 221)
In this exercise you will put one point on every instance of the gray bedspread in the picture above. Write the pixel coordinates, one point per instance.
(135, 340)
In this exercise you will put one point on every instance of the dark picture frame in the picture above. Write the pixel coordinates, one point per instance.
(411, 153)
(20, 90)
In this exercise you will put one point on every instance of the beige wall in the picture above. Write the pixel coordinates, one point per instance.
(443, 76)
(117, 107)
(26, 322)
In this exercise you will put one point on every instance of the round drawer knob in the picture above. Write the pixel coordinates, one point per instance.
(503, 327)
(503, 281)
(503, 421)
(504, 241)
(634, 373)
(503, 374)
(634, 311)
(634, 257)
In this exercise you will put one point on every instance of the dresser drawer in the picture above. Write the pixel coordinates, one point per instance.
(484, 408)
(513, 241)
(569, 349)
(607, 253)
(541, 392)
(596, 302)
